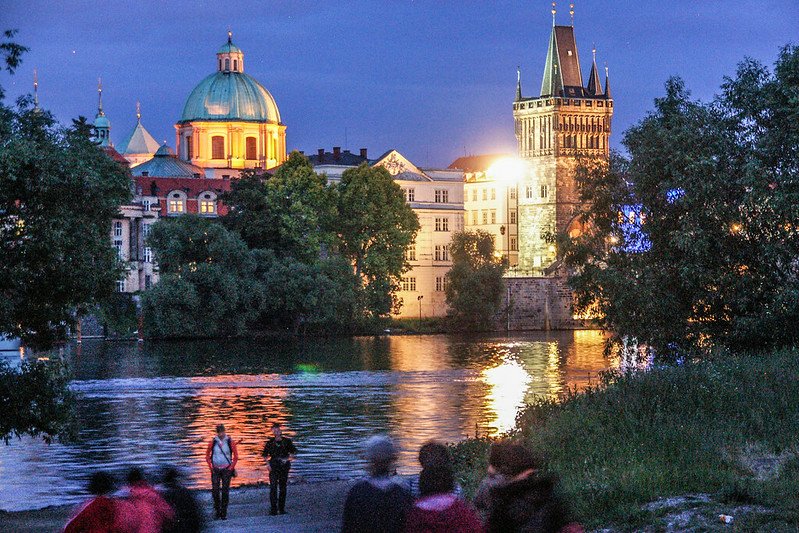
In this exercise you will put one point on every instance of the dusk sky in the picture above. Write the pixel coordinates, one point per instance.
(433, 79)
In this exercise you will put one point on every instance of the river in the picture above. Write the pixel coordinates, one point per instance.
(157, 403)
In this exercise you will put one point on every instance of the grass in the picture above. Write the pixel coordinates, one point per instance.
(727, 427)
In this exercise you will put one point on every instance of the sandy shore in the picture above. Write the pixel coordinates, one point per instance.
(311, 507)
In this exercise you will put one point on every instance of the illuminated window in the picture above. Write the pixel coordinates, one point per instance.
(631, 217)
(410, 253)
(217, 147)
(441, 196)
(207, 207)
(251, 149)
(493, 216)
(274, 148)
(117, 228)
(513, 246)
(408, 284)
(544, 191)
(176, 204)
(513, 217)
(148, 254)
(493, 194)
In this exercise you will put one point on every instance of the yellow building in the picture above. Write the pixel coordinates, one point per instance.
(230, 120)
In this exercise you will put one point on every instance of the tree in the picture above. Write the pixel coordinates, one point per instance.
(35, 400)
(207, 285)
(289, 213)
(58, 195)
(475, 285)
(713, 261)
(374, 227)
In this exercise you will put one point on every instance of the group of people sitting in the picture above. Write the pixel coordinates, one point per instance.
(138, 507)
(515, 495)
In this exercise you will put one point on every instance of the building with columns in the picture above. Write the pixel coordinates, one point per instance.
(230, 120)
(566, 122)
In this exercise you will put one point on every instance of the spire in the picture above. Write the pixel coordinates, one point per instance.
(518, 83)
(571, 13)
(138, 111)
(35, 89)
(553, 14)
(100, 97)
(229, 35)
(607, 83)
(594, 85)
(552, 83)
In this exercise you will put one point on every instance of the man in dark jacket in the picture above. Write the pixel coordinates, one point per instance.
(279, 451)
(526, 500)
(379, 502)
(188, 515)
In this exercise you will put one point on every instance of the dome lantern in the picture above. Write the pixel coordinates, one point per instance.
(230, 58)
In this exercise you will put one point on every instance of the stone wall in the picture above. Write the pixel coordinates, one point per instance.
(540, 303)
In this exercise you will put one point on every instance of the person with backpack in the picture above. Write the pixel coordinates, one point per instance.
(278, 450)
(221, 457)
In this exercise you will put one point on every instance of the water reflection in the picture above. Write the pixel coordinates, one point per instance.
(157, 403)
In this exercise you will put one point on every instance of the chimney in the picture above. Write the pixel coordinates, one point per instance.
(363, 153)
(336, 152)
(320, 155)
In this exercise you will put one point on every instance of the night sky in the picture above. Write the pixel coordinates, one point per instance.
(433, 79)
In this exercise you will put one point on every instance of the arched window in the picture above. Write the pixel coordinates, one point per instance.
(235, 65)
(189, 151)
(220, 64)
(274, 148)
(217, 147)
(207, 203)
(227, 64)
(176, 203)
(252, 152)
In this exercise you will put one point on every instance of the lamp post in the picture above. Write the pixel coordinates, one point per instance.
(419, 299)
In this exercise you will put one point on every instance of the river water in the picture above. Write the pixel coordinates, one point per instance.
(157, 403)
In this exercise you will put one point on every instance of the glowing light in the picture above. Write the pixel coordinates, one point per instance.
(735, 228)
(508, 382)
(552, 248)
(509, 170)
(613, 239)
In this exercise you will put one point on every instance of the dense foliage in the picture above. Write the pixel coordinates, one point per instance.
(35, 400)
(58, 195)
(710, 258)
(475, 285)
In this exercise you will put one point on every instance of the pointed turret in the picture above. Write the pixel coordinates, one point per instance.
(140, 145)
(594, 85)
(607, 84)
(551, 83)
(102, 126)
(518, 84)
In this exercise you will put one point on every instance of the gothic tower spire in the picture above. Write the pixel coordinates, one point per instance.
(518, 83)
(607, 83)
(594, 85)
(102, 126)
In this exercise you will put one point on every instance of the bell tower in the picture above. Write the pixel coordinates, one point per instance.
(567, 122)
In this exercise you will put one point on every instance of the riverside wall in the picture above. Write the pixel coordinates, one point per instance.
(538, 303)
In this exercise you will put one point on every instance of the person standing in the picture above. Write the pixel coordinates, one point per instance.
(188, 515)
(379, 502)
(221, 457)
(279, 450)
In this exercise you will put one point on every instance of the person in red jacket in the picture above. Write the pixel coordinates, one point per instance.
(97, 515)
(221, 457)
(439, 509)
(151, 512)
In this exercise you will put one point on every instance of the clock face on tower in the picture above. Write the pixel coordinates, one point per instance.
(394, 165)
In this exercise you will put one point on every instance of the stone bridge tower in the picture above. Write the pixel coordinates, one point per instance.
(567, 122)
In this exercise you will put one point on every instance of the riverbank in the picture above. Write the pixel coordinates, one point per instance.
(312, 507)
(673, 447)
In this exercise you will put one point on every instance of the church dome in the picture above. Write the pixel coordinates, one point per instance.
(230, 96)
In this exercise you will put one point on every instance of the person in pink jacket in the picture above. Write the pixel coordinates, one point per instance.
(146, 511)
(439, 509)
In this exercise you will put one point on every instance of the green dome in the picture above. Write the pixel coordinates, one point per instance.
(229, 96)
(229, 48)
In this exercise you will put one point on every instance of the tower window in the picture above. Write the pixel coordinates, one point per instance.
(217, 147)
(227, 64)
(236, 65)
(189, 151)
(252, 152)
(220, 64)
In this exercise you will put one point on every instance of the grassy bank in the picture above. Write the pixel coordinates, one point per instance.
(727, 428)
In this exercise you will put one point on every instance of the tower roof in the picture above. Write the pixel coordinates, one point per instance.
(594, 85)
(562, 76)
(139, 142)
(165, 164)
